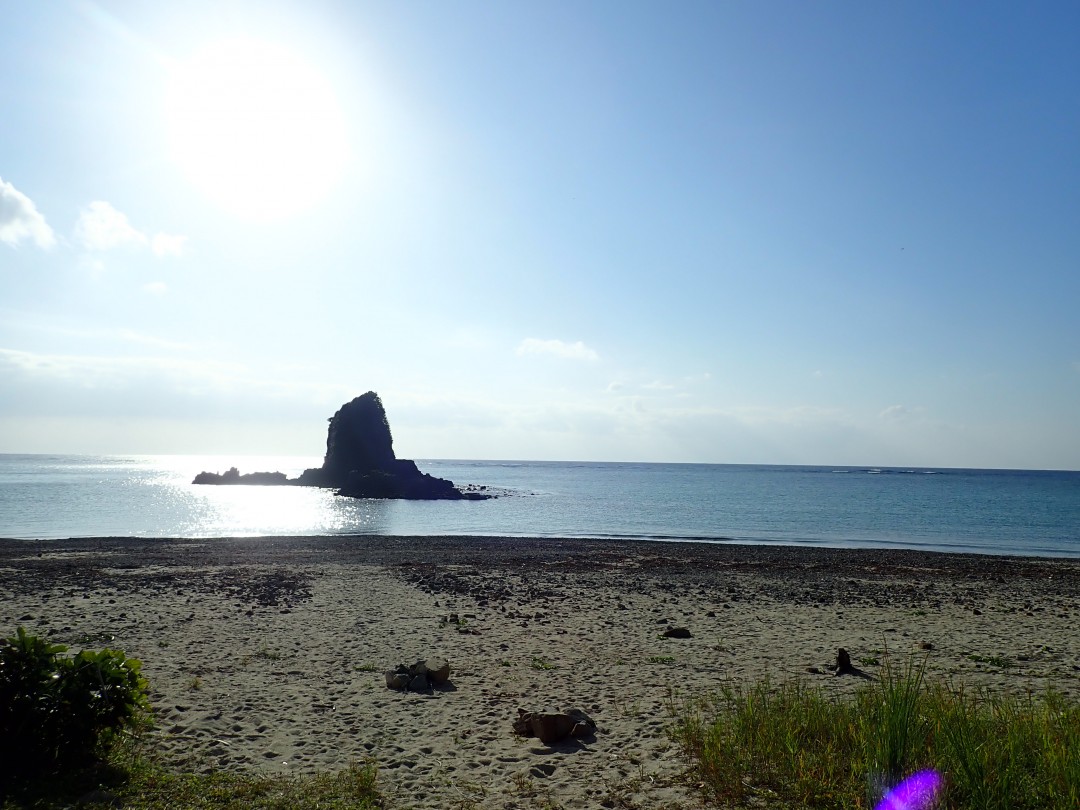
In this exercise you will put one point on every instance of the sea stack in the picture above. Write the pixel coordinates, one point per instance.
(360, 461)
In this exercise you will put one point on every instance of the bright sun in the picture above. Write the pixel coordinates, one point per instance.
(255, 128)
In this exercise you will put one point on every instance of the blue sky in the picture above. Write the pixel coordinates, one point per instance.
(769, 232)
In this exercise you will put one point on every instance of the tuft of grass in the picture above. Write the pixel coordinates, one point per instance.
(264, 653)
(523, 785)
(135, 780)
(795, 744)
(628, 709)
(661, 659)
(540, 663)
(993, 660)
(896, 724)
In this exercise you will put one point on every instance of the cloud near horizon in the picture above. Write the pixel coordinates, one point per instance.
(901, 412)
(557, 348)
(102, 227)
(164, 382)
(20, 219)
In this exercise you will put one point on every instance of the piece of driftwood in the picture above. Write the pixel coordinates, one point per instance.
(845, 667)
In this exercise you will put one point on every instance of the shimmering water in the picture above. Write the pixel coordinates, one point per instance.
(993, 511)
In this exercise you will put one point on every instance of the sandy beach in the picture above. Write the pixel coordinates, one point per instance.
(270, 653)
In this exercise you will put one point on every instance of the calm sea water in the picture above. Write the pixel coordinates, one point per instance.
(993, 511)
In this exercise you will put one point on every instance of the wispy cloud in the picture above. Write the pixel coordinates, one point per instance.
(897, 413)
(84, 336)
(102, 227)
(131, 336)
(20, 219)
(157, 384)
(99, 370)
(557, 348)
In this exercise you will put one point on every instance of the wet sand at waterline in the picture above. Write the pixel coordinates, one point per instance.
(269, 654)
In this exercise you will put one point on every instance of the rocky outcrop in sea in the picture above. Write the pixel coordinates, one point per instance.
(359, 462)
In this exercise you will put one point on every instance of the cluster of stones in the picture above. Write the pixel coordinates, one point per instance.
(549, 727)
(423, 676)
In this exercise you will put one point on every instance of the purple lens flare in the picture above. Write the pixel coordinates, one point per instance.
(918, 792)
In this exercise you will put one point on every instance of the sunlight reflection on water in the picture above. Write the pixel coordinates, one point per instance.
(253, 511)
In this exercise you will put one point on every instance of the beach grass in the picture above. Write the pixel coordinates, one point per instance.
(793, 744)
(133, 778)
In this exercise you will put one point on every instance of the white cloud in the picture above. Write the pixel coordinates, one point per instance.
(557, 348)
(164, 244)
(20, 219)
(92, 266)
(101, 227)
(156, 288)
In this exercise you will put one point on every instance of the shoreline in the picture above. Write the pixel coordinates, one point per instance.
(681, 546)
(956, 550)
(268, 653)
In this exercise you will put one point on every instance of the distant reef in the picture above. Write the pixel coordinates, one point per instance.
(359, 462)
(233, 476)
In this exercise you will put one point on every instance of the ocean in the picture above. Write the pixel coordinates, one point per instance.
(1023, 512)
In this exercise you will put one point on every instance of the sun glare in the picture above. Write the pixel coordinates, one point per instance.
(255, 128)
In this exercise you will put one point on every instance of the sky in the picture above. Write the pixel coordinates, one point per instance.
(841, 233)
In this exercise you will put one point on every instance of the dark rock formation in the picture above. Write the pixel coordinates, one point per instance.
(233, 476)
(359, 462)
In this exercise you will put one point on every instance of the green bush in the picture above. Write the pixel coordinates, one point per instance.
(59, 712)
